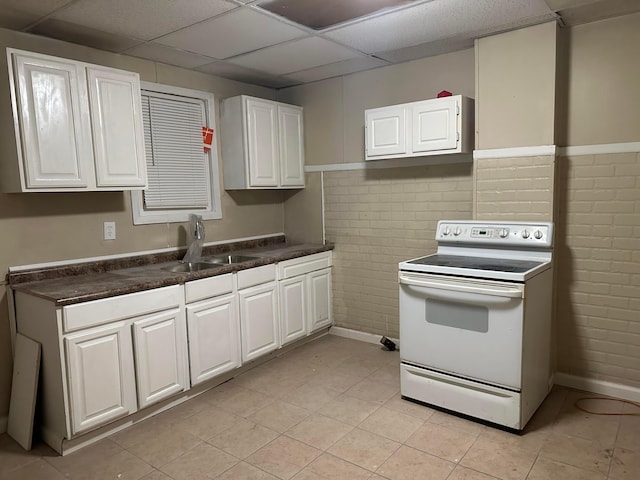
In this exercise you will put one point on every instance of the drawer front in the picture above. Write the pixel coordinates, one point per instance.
(302, 265)
(208, 287)
(112, 309)
(256, 276)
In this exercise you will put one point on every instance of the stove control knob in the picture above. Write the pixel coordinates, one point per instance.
(446, 231)
(457, 231)
(537, 234)
(504, 233)
(525, 234)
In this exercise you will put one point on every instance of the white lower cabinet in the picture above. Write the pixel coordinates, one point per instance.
(320, 311)
(214, 337)
(258, 320)
(305, 295)
(159, 345)
(101, 376)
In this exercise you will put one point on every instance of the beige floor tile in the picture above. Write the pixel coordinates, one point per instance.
(528, 440)
(243, 439)
(349, 410)
(575, 423)
(389, 374)
(13, 456)
(312, 397)
(546, 469)
(391, 424)
(141, 432)
(502, 461)
(241, 401)
(335, 381)
(184, 410)
(444, 442)
(408, 407)
(372, 391)
(85, 457)
(279, 416)
(121, 465)
(156, 475)
(319, 431)
(359, 366)
(625, 465)
(306, 474)
(363, 448)
(333, 468)
(244, 471)
(284, 457)
(464, 473)
(450, 420)
(409, 464)
(38, 470)
(163, 445)
(209, 422)
(629, 433)
(200, 463)
(579, 452)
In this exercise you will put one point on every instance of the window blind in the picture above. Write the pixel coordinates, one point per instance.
(176, 162)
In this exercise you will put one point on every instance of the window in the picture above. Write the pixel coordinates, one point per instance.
(182, 170)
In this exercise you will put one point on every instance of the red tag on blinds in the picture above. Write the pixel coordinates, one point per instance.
(207, 138)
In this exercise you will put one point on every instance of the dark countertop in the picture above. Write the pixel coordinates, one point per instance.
(95, 280)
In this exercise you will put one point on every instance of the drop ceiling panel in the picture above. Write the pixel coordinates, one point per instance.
(428, 49)
(146, 19)
(240, 74)
(336, 69)
(432, 21)
(18, 14)
(171, 56)
(70, 32)
(295, 56)
(239, 31)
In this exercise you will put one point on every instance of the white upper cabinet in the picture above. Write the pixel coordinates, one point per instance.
(429, 127)
(262, 144)
(78, 127)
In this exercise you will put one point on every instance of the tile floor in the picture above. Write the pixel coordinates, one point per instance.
(332, 410)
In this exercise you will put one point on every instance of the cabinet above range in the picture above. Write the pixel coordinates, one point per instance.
(77, 127)
(262, 144)
(429, 127)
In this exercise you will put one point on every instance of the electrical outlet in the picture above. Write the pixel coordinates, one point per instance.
(109, 230)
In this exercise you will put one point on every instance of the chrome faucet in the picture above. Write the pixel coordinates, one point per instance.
(195, 238)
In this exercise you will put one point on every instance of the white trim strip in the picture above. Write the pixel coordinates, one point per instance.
(533, 151)
(390, 163)
(360, 336)
(598, 386)
(63, 263)
(629, 147)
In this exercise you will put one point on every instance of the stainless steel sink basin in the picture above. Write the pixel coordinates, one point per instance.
(185, 267)
(227, 259)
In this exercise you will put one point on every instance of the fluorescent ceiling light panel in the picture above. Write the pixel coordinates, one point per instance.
(321, 14)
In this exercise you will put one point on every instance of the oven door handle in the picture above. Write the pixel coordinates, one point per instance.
(494, 290)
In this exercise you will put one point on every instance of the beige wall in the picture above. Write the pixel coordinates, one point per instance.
(603, 85)
(378, 218)
(598, 257)
(44, 227)
(303, 222)
(515, 87)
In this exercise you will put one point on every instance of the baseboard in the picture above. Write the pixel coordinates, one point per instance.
(361, 336)
(3, 424)
(598, 386)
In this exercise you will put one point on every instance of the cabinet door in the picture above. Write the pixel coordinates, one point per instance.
(116, 120)
(262, 142)
(258, 320)
(291, 135)
(434, 125)
(53, 122)
(293, 309)
(160, 356)
(320, 299)
(214, 337)
(101, 378)
(386, 131)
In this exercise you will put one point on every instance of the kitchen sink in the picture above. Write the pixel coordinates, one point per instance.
(185, 267)
(227, 259)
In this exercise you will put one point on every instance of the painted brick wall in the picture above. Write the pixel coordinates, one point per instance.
(377, 218)
(514, 188)
(598, 259)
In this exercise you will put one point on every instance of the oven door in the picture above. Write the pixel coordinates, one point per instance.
(466, 327)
